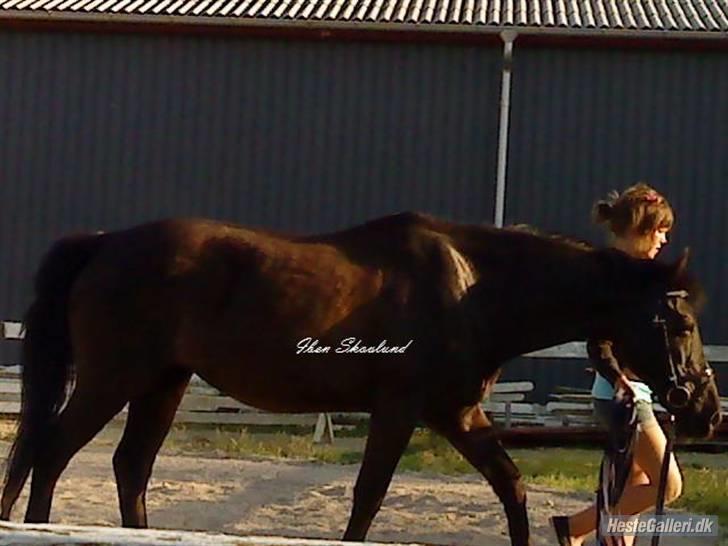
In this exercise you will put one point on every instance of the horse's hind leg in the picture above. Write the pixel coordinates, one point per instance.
(479, 445)
(84, 416)
(390, 429)
(150, 417)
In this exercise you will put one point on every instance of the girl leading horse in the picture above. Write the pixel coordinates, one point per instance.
(129, 316)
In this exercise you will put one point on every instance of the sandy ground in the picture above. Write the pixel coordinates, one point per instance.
(301, 499)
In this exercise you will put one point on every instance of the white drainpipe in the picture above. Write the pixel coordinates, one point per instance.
(508, 38)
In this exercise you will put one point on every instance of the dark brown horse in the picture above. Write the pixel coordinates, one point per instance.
(418, 315)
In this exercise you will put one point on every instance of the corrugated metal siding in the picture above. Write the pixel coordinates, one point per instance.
(104, 131)
(683, 15)
(585, 122)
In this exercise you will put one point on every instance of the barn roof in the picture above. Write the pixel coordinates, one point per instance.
(697, 18)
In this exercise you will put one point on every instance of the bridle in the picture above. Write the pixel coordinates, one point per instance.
(678, 395)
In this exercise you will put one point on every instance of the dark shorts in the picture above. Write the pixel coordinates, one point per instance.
(602, 410)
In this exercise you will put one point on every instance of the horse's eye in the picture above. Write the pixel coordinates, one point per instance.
(686, 329)
(685, 324)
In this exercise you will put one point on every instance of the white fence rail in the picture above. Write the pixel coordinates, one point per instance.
(17, 534)
(506, 404)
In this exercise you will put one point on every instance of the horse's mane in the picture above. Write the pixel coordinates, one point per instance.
(685, 281)
(557, 237)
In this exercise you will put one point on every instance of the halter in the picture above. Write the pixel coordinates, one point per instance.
(679, 395)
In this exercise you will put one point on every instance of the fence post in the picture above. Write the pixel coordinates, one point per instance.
(324, 431)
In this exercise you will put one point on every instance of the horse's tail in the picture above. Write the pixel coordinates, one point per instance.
(46, 357)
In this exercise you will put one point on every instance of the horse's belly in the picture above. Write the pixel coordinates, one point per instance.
(297, 384)
(301, 365)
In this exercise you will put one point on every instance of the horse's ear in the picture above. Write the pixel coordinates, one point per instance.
(680, 266)
(681, 279)
(671, 275)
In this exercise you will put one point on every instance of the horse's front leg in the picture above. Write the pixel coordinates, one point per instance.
(472, 434)
(390, 428)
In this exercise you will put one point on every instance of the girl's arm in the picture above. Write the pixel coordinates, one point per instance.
(601, 355)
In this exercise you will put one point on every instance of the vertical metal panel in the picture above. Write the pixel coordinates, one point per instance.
(584, 122)
(104, 131)
(588, 121)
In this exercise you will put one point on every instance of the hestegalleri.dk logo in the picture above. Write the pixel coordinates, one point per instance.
(666, 525)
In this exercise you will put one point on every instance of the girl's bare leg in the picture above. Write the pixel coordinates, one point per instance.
(640, 493)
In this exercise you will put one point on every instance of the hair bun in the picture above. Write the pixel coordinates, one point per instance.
(603, 212)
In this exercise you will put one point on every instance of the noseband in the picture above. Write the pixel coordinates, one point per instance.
(678, 395)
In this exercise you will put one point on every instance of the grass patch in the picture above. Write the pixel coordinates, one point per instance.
(243, 443)
(8, 428)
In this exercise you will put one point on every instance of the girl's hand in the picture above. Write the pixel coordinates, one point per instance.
(622, 384)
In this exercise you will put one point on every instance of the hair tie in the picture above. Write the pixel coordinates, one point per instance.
(651, 196)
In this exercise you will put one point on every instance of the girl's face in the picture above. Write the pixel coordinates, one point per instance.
(644, 246)
(657, 238)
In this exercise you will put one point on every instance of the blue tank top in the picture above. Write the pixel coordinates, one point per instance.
(603, 390)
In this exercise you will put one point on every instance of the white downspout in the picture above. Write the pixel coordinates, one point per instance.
(508, 38)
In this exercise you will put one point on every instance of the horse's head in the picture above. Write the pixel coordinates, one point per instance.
(658, 338)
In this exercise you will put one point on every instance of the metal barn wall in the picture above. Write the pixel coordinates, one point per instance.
(584, 122)
(100, 131)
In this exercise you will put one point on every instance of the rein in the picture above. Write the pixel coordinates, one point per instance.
(618, 459)
(660, 506)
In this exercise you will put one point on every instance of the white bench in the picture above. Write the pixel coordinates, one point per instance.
(506, 402)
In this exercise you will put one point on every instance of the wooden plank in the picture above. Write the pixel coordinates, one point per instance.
(9, 408)
(324, 431)
(507, 397)
(523, 419)
(202, 402)
(516, 407)
(716, 353)
(578, 398)
(575, 407)
(574, 349)
(51, 535)
(11, 372)
(11, 330)
(9, 386)
(513, 386)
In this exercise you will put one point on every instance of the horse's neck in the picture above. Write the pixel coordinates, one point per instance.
(550, 305)
(548, 331)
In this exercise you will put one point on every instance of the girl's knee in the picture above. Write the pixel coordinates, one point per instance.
(674, 485)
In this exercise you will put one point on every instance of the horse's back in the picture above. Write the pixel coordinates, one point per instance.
(229, 303)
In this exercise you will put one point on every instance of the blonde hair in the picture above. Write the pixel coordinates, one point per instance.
(637, 211)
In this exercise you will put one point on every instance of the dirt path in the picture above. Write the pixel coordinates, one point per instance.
(301, 499)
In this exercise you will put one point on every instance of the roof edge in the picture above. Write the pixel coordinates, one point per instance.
(326, 28)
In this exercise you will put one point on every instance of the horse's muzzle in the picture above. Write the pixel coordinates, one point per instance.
(716, 419)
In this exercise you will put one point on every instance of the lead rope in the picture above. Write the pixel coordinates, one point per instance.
(608, 474)
(660, 505)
